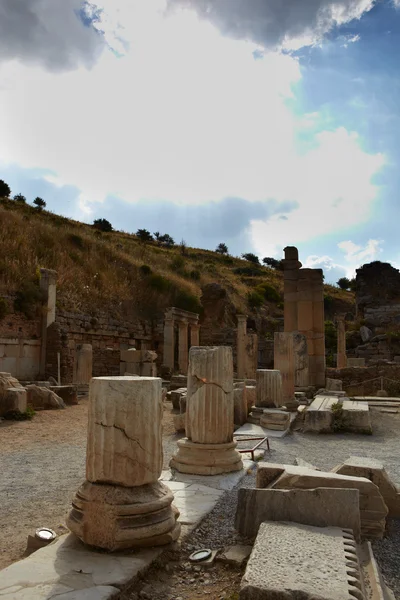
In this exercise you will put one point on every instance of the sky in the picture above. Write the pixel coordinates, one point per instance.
(256, 123)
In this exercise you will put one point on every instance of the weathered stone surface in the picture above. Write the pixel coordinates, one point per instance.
(319, 416)
(322, 507)
(68, 393)
(125, 431)
(334, 385)
(14, 399)
(373, 510)
(292, 561)
(206, 459)
(356, 362)
(7, 382)
(374, 471)
(240, 405)
(275, 419)
(43, 398)
(356, 416)
(83, 364)
(251, 396)
(179, 422)
(176, 395)
(269, 388)
(301, 360)
(235, 555)
(115, 517)
(365, 333)
(284, 361)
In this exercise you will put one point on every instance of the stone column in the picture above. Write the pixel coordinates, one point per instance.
(341, 342)
(291, 266)
(306, 317)
(301, 360)
(284, 362)
(319, 328)
(251, 357)
(169, 343)
(269, 388)
(194, 335)
(183, 347)
(122, 504)
(48, 287)
(83, 364)
(241, 346)
(208, 448)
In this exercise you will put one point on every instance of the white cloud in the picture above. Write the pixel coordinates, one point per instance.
(356, 255)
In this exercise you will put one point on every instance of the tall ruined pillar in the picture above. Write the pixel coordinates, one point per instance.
(48, 287)
(291, 267)
(319, 327)
(194, 335)
(341, 342)
(241, 346)
(251, 356)
(83, 364)
(122, 504)
(183, 356)
(269, 388)
(169, 343)
(285, 363)
(209, 448)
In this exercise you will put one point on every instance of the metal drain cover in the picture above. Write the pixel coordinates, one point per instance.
(45, 534)
(200, 555)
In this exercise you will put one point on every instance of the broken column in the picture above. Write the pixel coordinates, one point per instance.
(301, 360)
(83, 364)
(341, 342)
(291, 266)
(48, 287)
(122, 504)
(194, 335)
(209, 448)
(284, 362)
(169, 342)
(241, 346)
(269, 388)
(183, 347)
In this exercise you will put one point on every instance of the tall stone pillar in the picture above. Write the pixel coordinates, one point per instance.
(169, 343)
(285, 363)
(291, 267)
(122, 504)
(269, 388)
(341, 342)
(48, 287)
(194, 335)
(209, 448)
(241, 346)
(183, 347)
(319, 328)
(251, 357)
(83, 364)
(301, 360)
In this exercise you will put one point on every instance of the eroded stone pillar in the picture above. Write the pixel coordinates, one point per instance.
(291, 266)
(183, 356)
(269, 388)
(319, 327)
(83, 364)
(194, 335)
(251, 356)
(169, 343)
(208, 448)
(341, 342)
(122, 504)
(285, 363)
(241, 346)
(48, 287)
(301, 360)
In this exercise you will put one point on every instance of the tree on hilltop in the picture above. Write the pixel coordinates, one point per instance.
(102, 225)
(144, 236)
(39, 203)
(273, 263)
(343, 283)
(20, 198)
(222, 248)
(166, 240)
(5, 190)
(251, 258)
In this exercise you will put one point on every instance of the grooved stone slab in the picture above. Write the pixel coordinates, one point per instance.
(291, 561)
(322, 507)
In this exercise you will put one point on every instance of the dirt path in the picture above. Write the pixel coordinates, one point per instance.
(42, 463)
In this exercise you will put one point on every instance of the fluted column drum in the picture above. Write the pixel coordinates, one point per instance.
(269, 388)
(284, 361)
(124, 444)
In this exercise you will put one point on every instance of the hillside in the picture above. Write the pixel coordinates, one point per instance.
(116, 273)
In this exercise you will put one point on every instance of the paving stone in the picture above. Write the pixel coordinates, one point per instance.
(235, 555)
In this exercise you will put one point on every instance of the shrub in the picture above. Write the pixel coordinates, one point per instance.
(227, 260)
(195, 275)
(76, 240)
(5, 190)
(249, 271)
(328, 301)
(222, 248)
(177, 263)
(17, 415)
(166, 240)
(102, 225)
(343, 283)
(144, 236)
(255, 300)
(187, 301)
(273, 263)
(19, 198)
(39, 203)
(269, 292)
(251, 258)
(3, 308)
(145, 270)
(330, 336)
(27, 299)
(159, 283)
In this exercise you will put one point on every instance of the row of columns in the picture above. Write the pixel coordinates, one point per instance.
(172, 317)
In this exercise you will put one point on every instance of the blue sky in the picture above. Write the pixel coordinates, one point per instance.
(255, 123)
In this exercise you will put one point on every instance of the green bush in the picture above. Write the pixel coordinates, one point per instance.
(255, 300)
(269, 292)
(328, 301)
(17, 415)
(330, 336)
(195, 275)
(3, 308)
(102, 225)
(76, 240)
(187, 301)
(177, 264)
(249, 271)
(145, 270)
(77, 258)
(27, 299)
(159, 283)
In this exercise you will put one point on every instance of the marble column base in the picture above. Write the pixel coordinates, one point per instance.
(116, 518)
(206, 459)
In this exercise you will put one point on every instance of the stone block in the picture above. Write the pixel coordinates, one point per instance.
(15, 399)
(43, 398)
(269, 388)
(373, 510)
(240, 405)
(148, 369)
(365, 333)
(131, 356)
(251, 396)
(334, 385)
(319, 416)
(179, 423)
(291, 561)
(357, 466)
(356, 416)
(235, 555)
(68, 393)
(322, 507)
(176, 395)
(278, 420)
(355, 362)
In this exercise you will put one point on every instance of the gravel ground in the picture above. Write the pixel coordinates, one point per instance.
(43, 463)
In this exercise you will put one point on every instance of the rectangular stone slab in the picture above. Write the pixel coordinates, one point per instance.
(290, 561)
(322, 507)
